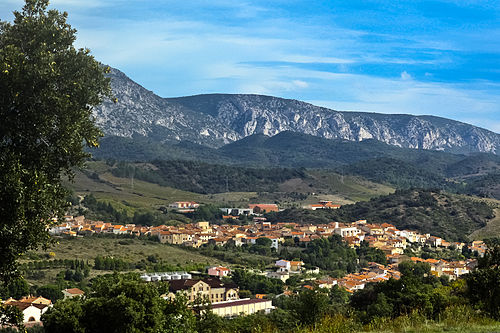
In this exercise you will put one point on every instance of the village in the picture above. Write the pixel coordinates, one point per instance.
(224, 297)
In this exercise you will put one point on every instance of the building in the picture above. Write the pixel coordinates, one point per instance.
(219, 271)
(212, 288)
(263, 208)
(174, 237)
(290, 266)
(240, 307)
(31, 307)
(237, 211)
(184, 206)
(279, 275)
(73, 292)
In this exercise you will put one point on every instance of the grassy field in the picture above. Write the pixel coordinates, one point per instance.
(87, 248)
(134, 250)
(492, 229)
(351, 188)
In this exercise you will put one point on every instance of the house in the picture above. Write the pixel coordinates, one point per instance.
(118, 230)
(203, 225)
(434, 241)
(263, 208)
(32, 312)
(31, 307)
(237, 211)
(373, 229)
(35, 300)
(174, 237)
(184, 204)
(283, 265)
(72, 292)
(244, 306)
(346, 231)
(290, 266)
(279, 275)
(219, 271)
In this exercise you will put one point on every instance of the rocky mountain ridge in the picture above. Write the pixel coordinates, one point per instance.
(218, 119)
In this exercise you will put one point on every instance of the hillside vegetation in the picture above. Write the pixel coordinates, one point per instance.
(371, 159)
(206, 178)
(452, 217)
(138, 192)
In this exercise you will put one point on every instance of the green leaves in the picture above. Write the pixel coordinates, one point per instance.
(47, 91)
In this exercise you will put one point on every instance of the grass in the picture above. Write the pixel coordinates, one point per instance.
(352, 188)
(455, 319)
(492, 229)
(87, 248)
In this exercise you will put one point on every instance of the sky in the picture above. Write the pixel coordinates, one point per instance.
(419, 57)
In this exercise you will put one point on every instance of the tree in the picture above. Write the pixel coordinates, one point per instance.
(309, 305)
(48, 89)
(483, 284)
(50, 291)
(64, 316)
(16, 288)
(121, 303)
(10, 316)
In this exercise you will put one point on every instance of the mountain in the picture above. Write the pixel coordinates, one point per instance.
(218, 119)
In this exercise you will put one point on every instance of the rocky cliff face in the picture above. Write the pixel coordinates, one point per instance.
(218, 119)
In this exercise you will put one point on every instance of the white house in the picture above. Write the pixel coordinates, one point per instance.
(32, 312)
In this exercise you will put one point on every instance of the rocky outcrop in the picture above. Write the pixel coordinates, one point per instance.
(217, 119)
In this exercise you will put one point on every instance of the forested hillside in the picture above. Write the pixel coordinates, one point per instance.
(452, 217)
(205, 178)
(400, 167)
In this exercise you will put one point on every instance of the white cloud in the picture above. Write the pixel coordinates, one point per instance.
(300, 83)
(405, 76)
(303, 59)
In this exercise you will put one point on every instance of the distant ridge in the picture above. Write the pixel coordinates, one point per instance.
(218, 119)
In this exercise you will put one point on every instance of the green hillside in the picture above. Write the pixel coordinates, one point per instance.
(453, 217)
(371, 159)
(137, 192)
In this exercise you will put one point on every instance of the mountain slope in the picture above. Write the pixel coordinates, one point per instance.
(442, 214)
(218, 119)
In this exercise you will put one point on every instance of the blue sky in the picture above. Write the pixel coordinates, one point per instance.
(421, 57)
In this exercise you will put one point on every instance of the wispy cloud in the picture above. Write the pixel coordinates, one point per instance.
(440, 57)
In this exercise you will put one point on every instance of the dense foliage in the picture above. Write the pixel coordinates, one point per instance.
(120, 303)
(256, 284)
(401, 174)
(47, 91)
(334, 255)
(483, 285)
(201, 177)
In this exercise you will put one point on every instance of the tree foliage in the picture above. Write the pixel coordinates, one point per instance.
(47, 91)
(483, 284)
